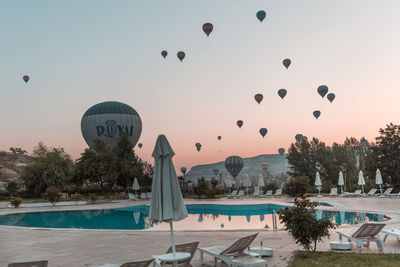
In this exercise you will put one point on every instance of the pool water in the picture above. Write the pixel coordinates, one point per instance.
(201, 217)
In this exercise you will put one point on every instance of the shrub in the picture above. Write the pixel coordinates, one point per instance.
(76, 198)
(326, 187)
(12, 188)
(201, 188)
(15, 201)
(93, 198)
(297, 186)
(303, 225)
(52, 194)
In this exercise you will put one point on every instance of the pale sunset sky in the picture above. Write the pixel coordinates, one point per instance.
(80, 53)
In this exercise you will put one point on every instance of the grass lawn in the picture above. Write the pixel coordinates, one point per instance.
(335, 259)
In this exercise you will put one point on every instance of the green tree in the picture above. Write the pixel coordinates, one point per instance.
(12, 188)
(201, 187)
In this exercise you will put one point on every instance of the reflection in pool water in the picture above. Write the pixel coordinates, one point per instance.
(201, 217)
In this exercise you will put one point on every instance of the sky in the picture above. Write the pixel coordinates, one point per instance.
(80, 53)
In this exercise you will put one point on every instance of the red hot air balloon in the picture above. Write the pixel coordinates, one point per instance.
(207, 28)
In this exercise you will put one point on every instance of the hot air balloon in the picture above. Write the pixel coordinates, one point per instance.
(234, 164)
(261, 15)
(140, 145)
(322, 90)
(25, 78)
(239, 123)
(207, 28)
(286, 62)
(219, 137)
(282, 93)
(331, 97)
(299, 137)
(183, 170)
(181, 55)
(263, 131)
(164, 53)
(215, 171)
(316, 114)
(281, 151)
(107, 121)
(258, 98)
(198, 146)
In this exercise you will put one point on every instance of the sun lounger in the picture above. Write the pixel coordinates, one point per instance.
(395, 195)
(256, 192)
(278, 193)
(233, 194)
(132, 197)
(392, 232)
(366, 233)
(143, 196)
(268, 193)
(371, 192)
(333, 192)
(187, 247)
(355, 194)
(240, 194)
(387, 192)
(233, 255)
(139, 263)
(148, 195)
(29, 264)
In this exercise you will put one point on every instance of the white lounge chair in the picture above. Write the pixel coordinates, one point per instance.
(132, 196)
(233, 194)
(256, 192)
(233, 255)
(387, 192)
(268, 193)
(395, 195)
(143, 196)
(333, 192)
(356, 193)
(278, 192)
(240, 194)
(366, 233)
(371, 192)
(148, 195)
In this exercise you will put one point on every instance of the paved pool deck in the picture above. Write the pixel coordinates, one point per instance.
(72, 247)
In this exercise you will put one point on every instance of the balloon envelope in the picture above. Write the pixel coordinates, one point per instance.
(299, 137)
(25, 78)
(263, 131)
(258, 98)
(183, 170)
(219, 137)
(198, 146)
(239, 123)
(317, 113)
(331, 97)
(281, 151)
(234, 164)
(286, 63)
(164, 53)
(140, 145)
(107, 121)
(282, 93)
(181, 55)
(322, 90)
(207, 28)
(261, 15)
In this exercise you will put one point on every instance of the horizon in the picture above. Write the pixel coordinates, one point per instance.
(79, 54)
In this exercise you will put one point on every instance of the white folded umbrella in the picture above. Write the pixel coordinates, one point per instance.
(135, 185)
(361, 180)
(261, 181)
(318, 183)
(341, 181)
(378, 179)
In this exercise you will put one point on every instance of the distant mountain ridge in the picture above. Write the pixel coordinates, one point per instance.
(278, 165)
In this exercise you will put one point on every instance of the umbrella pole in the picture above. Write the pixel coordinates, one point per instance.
(171, 229)
(380, 189)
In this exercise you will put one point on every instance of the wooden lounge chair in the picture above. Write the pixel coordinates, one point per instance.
(333, 192)
(366, 233)
(278, 192)
(233, 255)
(29, 264)
(371, 192)
(187, 247)
(139, 263)
(233, 194)
(143, 196)
(268, 193)
(240, 194)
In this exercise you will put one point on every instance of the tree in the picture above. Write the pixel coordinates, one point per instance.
(201, 187)
(12, 188)
(17, 151)
(52, 194)
(387, 153)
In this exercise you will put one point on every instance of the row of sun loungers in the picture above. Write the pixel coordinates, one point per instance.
(142, 196)
(358, 193)
(257, 193)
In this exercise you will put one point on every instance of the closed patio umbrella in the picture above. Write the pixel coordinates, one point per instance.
(361, 181)
(261, 182)
(135, 185)
(378, 179)
(341, 181)
(318, 183)
(247, 183)
(166, 197)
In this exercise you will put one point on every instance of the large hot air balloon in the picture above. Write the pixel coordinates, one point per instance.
(183, 170)
(219, 138)
(299, 137)
(25, 78)
(263, 132)
(286, 62)
(164, 53)
(282, 93)
(207, 28)
(234, 164)
(107, 121)
(261, 15)
(239, 123)
(322, 90)
(316, 114)
(198, 146)
(331, 97)
(181, 55)
(281, 151)
(140, 145)
(258, 98)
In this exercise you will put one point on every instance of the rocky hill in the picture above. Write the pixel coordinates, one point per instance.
(275, 168)
(11, 166)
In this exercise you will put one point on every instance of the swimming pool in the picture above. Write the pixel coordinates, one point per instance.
(201, 217)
